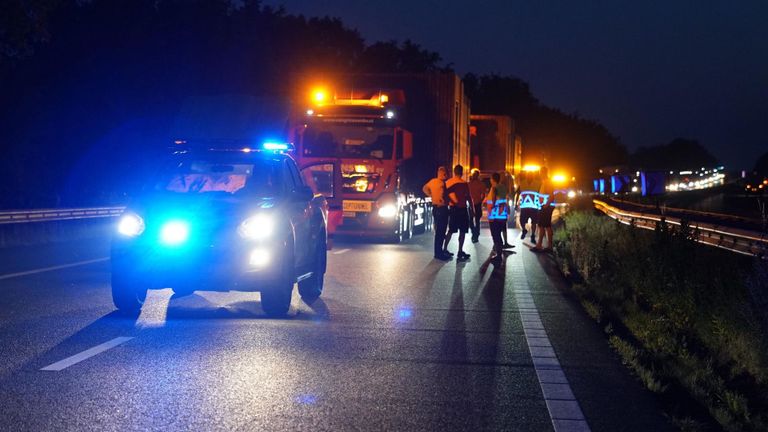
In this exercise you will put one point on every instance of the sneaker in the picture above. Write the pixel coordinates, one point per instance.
(447, 252)
(522, 237)
(475, 239)
(508, 246)
(533, 240)
(462, 256)
(442, 257)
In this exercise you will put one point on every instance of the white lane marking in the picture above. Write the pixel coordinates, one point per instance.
(564, 410)
(47, 269)
(341, 251)
(77, 358)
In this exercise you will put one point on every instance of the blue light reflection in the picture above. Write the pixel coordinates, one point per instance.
(404, 314)
(307, 399)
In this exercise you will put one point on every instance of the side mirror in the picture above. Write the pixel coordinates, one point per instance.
(404, 145)
(407, 145)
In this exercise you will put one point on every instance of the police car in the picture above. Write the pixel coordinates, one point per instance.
(222, 219)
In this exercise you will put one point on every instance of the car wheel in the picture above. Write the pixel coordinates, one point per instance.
(311, 288)
(276, 299)
(128, 294)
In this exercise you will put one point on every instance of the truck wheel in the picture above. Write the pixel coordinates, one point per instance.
(311, 288)
(276, 299)
(128, 294)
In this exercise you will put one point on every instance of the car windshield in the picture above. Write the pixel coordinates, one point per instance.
(226, 176)
(352, 141)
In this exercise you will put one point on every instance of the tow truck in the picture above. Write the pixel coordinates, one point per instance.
(222, 218)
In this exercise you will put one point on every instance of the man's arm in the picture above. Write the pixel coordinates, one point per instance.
(426, 190)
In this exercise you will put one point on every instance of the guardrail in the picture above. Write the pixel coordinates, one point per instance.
(664, 208)
(47, 215)
(733, 239)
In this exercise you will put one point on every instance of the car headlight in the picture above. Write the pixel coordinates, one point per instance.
(130, 225)
(388, 211)
(257, 227)
(174, 233)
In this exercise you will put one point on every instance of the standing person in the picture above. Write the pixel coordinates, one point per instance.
(460, 202)
(547, 192)
(509, 183)
(528, 203)
(498, 211)
(477, 193)
(435, 189)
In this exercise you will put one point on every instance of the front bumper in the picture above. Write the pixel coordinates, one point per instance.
(206, 268)
(368, 225)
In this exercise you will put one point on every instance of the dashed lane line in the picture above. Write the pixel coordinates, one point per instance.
(77, 358)
(47, 269)
(563, 408)
(340, 251)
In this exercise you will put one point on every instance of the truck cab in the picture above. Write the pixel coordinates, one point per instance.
(350, 147)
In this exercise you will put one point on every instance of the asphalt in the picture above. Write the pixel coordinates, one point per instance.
(398, 341)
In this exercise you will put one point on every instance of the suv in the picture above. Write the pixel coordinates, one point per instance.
(220, 220)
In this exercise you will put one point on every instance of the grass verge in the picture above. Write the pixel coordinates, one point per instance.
(689, 320)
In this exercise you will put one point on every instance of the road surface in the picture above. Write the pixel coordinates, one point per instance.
(398, 341)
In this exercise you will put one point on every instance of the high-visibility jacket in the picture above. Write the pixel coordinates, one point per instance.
(498, 206)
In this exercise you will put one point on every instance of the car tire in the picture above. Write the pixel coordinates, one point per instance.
(128, 294)
(311, 288)
(276, 299)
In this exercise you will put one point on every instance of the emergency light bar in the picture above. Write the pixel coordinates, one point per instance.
(276, 146)
(244, 146)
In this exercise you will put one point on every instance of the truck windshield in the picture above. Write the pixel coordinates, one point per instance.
(226, 177)
(348, 141)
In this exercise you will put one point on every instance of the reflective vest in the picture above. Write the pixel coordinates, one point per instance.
(532, 200)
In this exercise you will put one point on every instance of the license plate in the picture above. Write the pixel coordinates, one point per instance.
(349, 214)
(357, 206)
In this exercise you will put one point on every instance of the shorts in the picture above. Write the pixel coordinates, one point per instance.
(458, 220)
(545, 216)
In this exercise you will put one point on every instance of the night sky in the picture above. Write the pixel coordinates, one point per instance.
(649, 71)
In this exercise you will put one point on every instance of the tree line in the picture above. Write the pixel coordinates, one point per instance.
(91, 87)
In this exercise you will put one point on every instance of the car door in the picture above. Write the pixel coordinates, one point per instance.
(300, 210)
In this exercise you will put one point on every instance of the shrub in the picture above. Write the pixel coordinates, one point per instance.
(699, 312)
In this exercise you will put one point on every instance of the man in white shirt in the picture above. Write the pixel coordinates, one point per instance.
(435, 189)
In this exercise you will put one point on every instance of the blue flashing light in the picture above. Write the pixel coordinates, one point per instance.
(174, 233)
(275, 146)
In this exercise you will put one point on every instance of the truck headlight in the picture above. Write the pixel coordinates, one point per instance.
(130, 225)
(388, 211)
(257, 227)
